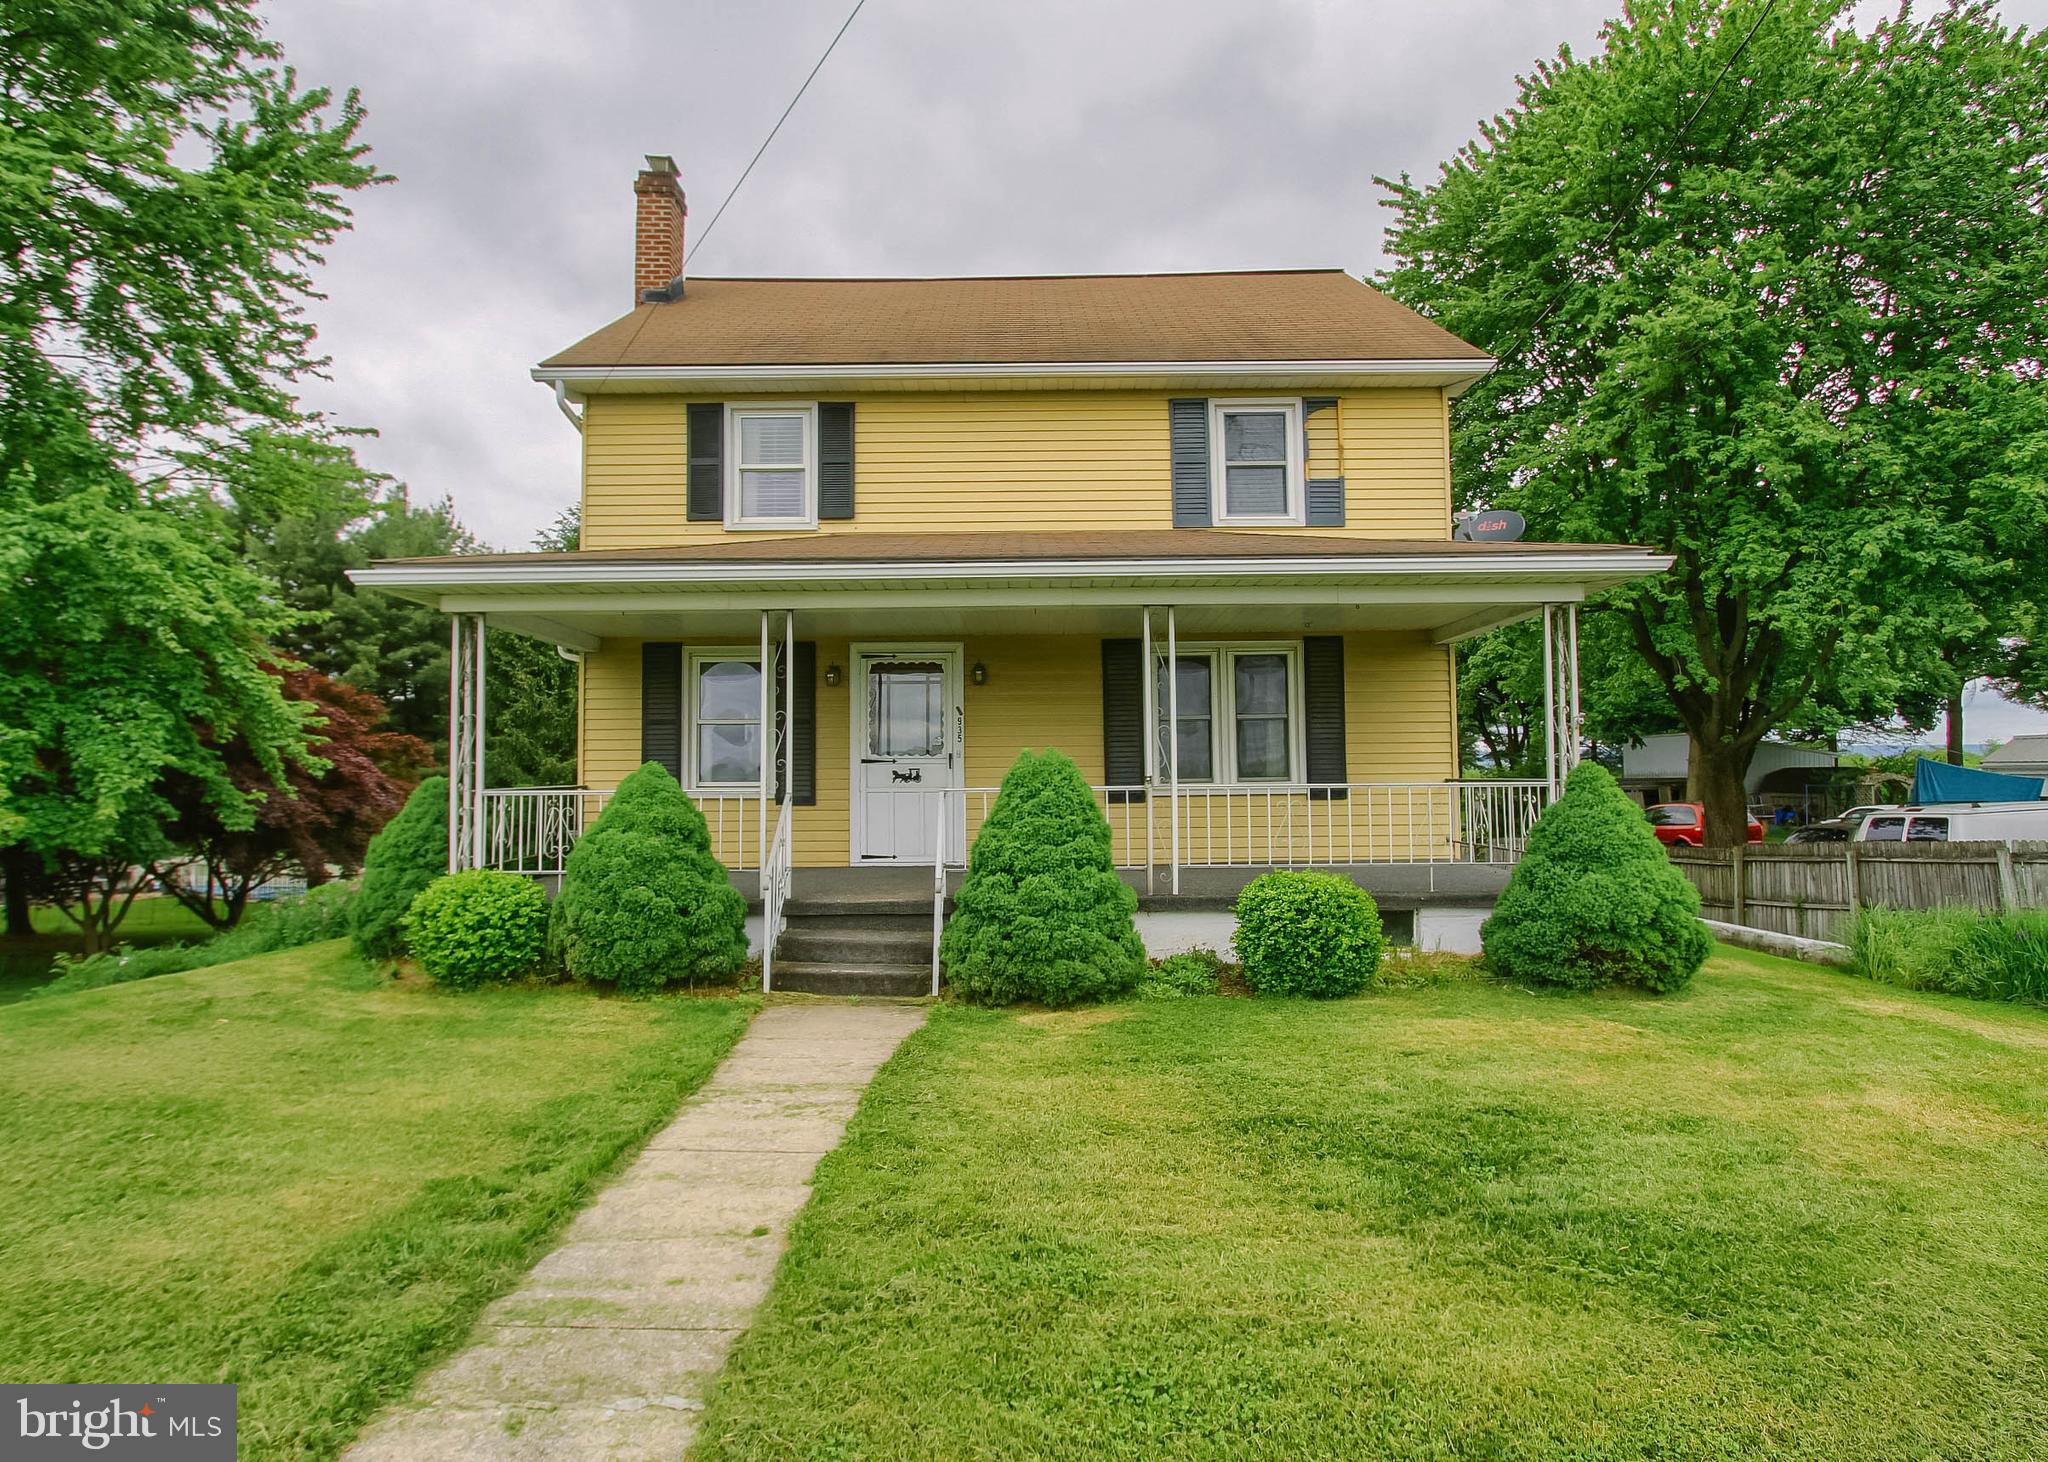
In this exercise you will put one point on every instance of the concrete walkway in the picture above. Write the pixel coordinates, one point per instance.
(608, 1347)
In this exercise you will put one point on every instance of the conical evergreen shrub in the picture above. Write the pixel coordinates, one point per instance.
(1042, 914)
(644, 903)
(1595, 900)
(406, 855)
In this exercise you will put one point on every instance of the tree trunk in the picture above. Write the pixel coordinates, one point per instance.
(14, 864)
(1716, 778)
(1955, 728)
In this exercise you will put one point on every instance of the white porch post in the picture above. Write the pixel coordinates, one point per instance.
(465, 742)
(788, 709)
(1150, 714)
(1550, 698)
(1575, 719)
(766, 759)
(1173, 738)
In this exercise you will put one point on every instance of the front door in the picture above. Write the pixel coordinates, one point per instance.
(906, 754)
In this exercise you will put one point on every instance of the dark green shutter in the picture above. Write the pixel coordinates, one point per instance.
(1322, 701)
(803, 729)
(661, 706)
(1188, 431)
(835, 459)
(706, 462)
(1325, 494)
(1123, 718)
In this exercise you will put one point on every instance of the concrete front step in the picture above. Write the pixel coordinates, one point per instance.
(845, 942)
(865, 909)
(820, 977)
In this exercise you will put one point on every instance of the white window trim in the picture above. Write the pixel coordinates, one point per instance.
(1223, 713)
(733, 415)
(1297, 469)
(694, 658)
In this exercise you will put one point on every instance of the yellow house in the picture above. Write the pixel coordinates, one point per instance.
(957, 518)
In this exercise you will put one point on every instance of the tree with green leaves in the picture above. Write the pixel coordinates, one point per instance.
(165, 187)
(530, 706)
(1739, 271)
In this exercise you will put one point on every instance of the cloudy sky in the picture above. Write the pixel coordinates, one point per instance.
(943, 137)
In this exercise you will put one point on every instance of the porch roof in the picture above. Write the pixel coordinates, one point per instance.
(1051, 582)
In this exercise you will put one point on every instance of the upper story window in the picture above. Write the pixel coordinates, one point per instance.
(773, 482)
(1257, 464)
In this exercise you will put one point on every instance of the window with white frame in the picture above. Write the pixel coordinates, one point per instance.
(1256, 462)
(1239, 713)
(724, 713)
(774, 478)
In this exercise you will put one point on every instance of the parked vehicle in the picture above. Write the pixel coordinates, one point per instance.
(1685, 824)
(1958, 822)
(1836, 829)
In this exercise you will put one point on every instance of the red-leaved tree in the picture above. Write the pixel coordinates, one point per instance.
(318, 821)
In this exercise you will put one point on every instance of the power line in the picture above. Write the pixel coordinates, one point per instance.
(704, 237)
(1650, 172)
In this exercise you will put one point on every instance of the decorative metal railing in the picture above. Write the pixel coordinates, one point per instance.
(1289, 825)
(776, 871)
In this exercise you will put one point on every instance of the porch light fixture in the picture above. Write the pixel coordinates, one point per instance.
(979, 674)
(832, 675)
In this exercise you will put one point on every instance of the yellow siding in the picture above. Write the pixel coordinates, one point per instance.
(1399, 721)
(1007, 461)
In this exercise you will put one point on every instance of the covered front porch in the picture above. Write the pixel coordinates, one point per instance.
(1236, 701)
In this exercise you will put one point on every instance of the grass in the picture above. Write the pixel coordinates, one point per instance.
(25, 963)
(291, 1174)
(1785, 1214)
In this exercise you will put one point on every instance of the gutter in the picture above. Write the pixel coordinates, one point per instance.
(788, 571)
(1466, 370)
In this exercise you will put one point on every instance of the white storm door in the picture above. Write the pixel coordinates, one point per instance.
(907, 755)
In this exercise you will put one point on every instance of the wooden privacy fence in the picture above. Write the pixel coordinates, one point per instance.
(1811, 889)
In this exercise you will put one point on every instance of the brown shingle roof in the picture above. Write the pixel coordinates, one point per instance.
(1164, 543)
(1318, 315)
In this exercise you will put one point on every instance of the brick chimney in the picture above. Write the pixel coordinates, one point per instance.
(659, 211)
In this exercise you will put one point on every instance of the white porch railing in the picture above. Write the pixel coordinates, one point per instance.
(775, 884)
(1290, 825)
(531, 829)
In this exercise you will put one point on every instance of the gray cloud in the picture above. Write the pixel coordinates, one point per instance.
(944, 137)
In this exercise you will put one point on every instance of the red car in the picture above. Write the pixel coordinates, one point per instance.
(1685, 823)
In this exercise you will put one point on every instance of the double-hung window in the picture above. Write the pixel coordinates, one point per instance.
(773, 482)
(1256, 463)
(724, 688)
(1239, 713)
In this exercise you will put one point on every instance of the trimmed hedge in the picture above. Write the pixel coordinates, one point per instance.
(1042, 914)
(408, 854)
(644, 903)
(1956, 951)
(1313, 934)
(478, 926)
(1594, 900)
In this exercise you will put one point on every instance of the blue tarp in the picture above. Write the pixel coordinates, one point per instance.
(1937, 781)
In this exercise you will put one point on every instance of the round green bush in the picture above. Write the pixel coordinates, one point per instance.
(478, 926)
(408, 854)
(644, 903)
(1594, 900)
(1309, 934)
(1041, 914)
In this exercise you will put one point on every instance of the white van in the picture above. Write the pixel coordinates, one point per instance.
(1957, 822)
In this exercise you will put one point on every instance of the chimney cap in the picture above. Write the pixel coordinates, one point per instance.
(661, 162)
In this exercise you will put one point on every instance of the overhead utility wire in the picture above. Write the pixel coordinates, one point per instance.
(704, 237)
(1655, 162)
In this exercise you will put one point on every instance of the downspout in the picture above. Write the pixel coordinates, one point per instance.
(562, 405)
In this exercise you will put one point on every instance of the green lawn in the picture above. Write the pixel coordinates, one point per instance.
(1787, 1214)
(292, 1174)
(25, 963)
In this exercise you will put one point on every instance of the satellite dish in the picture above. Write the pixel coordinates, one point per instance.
(1496, 525)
